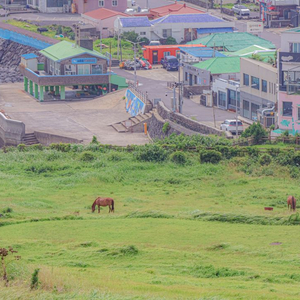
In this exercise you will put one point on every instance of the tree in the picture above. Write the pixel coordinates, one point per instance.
(130, 36)
(144, 41)
(256, 131)
(170, 41)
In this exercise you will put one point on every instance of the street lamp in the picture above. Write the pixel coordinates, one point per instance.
(134, 49)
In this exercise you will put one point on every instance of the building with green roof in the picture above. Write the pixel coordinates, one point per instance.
(68, 65)
(232, 41)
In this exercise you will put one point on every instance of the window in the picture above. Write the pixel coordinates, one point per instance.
(166, 33)
(222, 99)
(298, 113)
(56, 3)
(295, 47)
(97, 69)
(114, 2)
(287, 109)
(255, 82)
(101, 3)
(254, 108)
(246, 109)
(186, 76)
(246, 79)
(167, 53)
(51, 66)
(70, 70)
(195, 79)
(264, 86)
(83, 69)
(30, 2)
(143, 33)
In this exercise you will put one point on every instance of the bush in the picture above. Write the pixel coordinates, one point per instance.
(37, 147)
(21, 147)
(178, 157)
(256, 131)
(61, 147)
(265, 159)
(210, 156)
(35, 279)
(151, 152)
(170, 41)
(87, 156)
(228, 152)
(7, 210)
(284, 158)
(296, 159)
(166, 128)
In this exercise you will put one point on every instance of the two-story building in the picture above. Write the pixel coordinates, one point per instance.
(289, 81)
(67, 65)
(258, 87)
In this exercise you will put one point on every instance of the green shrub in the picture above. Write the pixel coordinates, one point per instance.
(94, 140)
(256, 131)
(228, 152)
(61, 147)
(166, 128)
(265, 159)
(37, 147)
(210, 156)
(35, 279)
(151, 152)
(296, 159)
(284, 158)
(115, 156)
(7, 210)
(129, 250)
(21, 147)
(87, 156)
(178, 157)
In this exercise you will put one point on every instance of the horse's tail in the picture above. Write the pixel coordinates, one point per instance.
(112, 205)
(293, 203)
(94, 205)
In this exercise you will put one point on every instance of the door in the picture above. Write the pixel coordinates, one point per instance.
(155, 57)
(190, 79)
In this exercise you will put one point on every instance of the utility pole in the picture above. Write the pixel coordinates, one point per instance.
(101, 40)
(134, 65)
(236, 113)
(110, 59)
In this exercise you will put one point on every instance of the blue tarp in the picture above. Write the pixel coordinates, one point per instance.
(214, 30)
(23, 39)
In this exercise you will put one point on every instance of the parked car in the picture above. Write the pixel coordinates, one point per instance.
(230, 125)
(42, 29)
(241, 10)
(154, 43)
(129, 65)
(170, 63)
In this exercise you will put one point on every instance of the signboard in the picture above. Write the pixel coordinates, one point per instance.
(255, 27)
(89, 60)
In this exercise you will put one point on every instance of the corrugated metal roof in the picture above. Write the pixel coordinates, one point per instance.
(248, 50)
(103, 13)
(201, 52)
(214, 30)
(135, 22)
(220, 65)
(233, 41)
(29, 55)
(65, 50)
(187, 18)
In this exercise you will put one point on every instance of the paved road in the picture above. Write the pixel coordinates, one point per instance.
(157, 89)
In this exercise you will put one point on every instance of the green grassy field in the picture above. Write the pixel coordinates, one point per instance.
(193, 231)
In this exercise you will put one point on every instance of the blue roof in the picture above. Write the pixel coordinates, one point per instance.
(135, 22)
(214, 30)
(29, 55)
(203, 52)
(187, 18)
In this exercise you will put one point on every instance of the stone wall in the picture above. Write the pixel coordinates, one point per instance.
(11, 131)
(10, 58)
(47, 138)
(186, 122)
(194, 90)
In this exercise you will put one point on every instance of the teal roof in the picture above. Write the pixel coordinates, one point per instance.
(233, 41)
(220, 65)
(248, 50)
(64, 50)
(297, 29)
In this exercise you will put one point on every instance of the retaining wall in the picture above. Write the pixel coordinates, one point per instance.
(11, 131)
(186, 122)
(47, 138)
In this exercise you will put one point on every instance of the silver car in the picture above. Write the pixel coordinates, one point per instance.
(241, 10)
(230, 125)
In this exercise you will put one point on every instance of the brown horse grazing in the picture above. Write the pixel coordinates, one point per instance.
(104, 202)
(291, 202)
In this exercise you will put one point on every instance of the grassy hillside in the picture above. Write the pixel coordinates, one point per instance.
(179, 231)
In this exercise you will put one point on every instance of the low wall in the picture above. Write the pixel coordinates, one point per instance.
(11, 131)
(186, 122)
(47, 138)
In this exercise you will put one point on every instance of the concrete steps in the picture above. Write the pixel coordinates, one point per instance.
(127, 125)
(30, 139)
